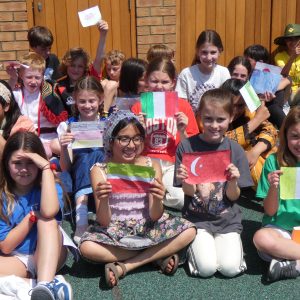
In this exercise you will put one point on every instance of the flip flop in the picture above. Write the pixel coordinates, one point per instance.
(112, 267)
(164, 263)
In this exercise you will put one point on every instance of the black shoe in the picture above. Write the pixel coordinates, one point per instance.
(281, 270)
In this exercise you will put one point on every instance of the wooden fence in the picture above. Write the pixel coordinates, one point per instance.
(240, 23)
(62, 19)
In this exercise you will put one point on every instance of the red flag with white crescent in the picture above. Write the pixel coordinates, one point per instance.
(204, 167)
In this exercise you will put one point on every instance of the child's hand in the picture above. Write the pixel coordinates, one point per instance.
(103, 190)
(267, 96)
(182, 173)
(38, 160)
(252, 157)
(65, 139)
(182, 121)
(233, 172)
(12, 70)
(274, 178)
(157, 190)
(262, 113)
(102, 26)
(141, 116)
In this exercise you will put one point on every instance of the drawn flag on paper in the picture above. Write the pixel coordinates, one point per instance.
(250, 97)
(125, 103)
(159, 104)
(290, 183)
(129, 178)
(205, 167)
(87, 134)
(90, 16)
(265, 78)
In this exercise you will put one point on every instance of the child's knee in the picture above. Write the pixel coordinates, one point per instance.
(232, 268)
(201, 266)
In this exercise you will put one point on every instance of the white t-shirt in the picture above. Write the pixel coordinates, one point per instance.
(30, 107)
(192, 83)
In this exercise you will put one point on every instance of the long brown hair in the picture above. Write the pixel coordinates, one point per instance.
(26, 141)
(285, 157)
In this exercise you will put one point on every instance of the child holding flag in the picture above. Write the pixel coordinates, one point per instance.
(131, 228)
(212, 205)
(88, 97)
(165, 132)
(251, 130)
(273, 241)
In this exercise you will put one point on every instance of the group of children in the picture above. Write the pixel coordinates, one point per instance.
(43, 99)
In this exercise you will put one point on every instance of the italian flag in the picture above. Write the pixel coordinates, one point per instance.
(129, 179)
(159, 104)
(290, 183)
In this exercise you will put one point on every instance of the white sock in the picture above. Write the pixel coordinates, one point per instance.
(42, 282)
(81, 214)
(32, 282)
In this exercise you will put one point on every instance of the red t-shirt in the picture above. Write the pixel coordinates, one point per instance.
(162, 136)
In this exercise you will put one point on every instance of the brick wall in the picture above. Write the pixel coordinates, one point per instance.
(156, 24)
(13, 31)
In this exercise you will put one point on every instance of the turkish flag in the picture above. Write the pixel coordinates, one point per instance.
(204, 167)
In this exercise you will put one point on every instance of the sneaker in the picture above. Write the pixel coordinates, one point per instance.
(43, 291)
(282, 269)
(80, 230)
(58, 289)
(63, 289)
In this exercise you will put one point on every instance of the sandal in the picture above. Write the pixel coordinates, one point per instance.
(112, 267)
(164, 263)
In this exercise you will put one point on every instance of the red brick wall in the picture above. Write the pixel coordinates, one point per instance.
(156, 24)
(13, 31)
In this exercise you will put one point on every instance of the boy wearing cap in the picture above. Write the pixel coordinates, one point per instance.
(288, 56)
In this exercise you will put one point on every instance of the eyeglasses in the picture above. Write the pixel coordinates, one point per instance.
(125, 140)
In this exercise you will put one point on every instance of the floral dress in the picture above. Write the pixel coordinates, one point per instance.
(131, 227)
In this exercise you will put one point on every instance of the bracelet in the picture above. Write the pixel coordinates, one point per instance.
(46, 167)
(33, 218)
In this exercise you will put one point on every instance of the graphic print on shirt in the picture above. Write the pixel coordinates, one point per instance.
(209, 199)
(197, 93)
(161, 134)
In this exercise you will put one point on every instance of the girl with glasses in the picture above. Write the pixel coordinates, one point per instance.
(131, 230)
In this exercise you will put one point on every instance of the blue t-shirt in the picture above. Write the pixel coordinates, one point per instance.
(23, 205)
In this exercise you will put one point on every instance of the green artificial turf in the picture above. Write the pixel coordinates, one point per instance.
(147, 283)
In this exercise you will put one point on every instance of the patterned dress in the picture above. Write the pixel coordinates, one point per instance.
(131, 227)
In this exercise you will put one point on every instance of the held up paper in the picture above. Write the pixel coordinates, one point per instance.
(87, 134)
(90, 16)
(250, 97)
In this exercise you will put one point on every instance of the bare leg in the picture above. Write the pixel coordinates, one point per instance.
(11, 265)
(134, 259)
(272, 242)
(50, 254)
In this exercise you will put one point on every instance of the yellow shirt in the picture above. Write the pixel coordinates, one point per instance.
(281, 59)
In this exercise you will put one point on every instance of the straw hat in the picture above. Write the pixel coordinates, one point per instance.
(291, 30)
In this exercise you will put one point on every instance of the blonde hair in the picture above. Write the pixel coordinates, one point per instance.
(116, 57)
(285, 157)
(34, 61)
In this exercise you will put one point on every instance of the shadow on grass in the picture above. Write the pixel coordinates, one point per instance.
(249, 201)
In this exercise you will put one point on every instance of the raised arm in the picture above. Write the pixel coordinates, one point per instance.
(49, 206)
(103, 29)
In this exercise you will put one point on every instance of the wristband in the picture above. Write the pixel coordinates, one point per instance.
(33, 218)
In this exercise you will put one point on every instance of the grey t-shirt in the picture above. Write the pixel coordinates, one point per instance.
(211, 210)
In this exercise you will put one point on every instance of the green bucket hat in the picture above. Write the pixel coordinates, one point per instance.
(291, 30)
